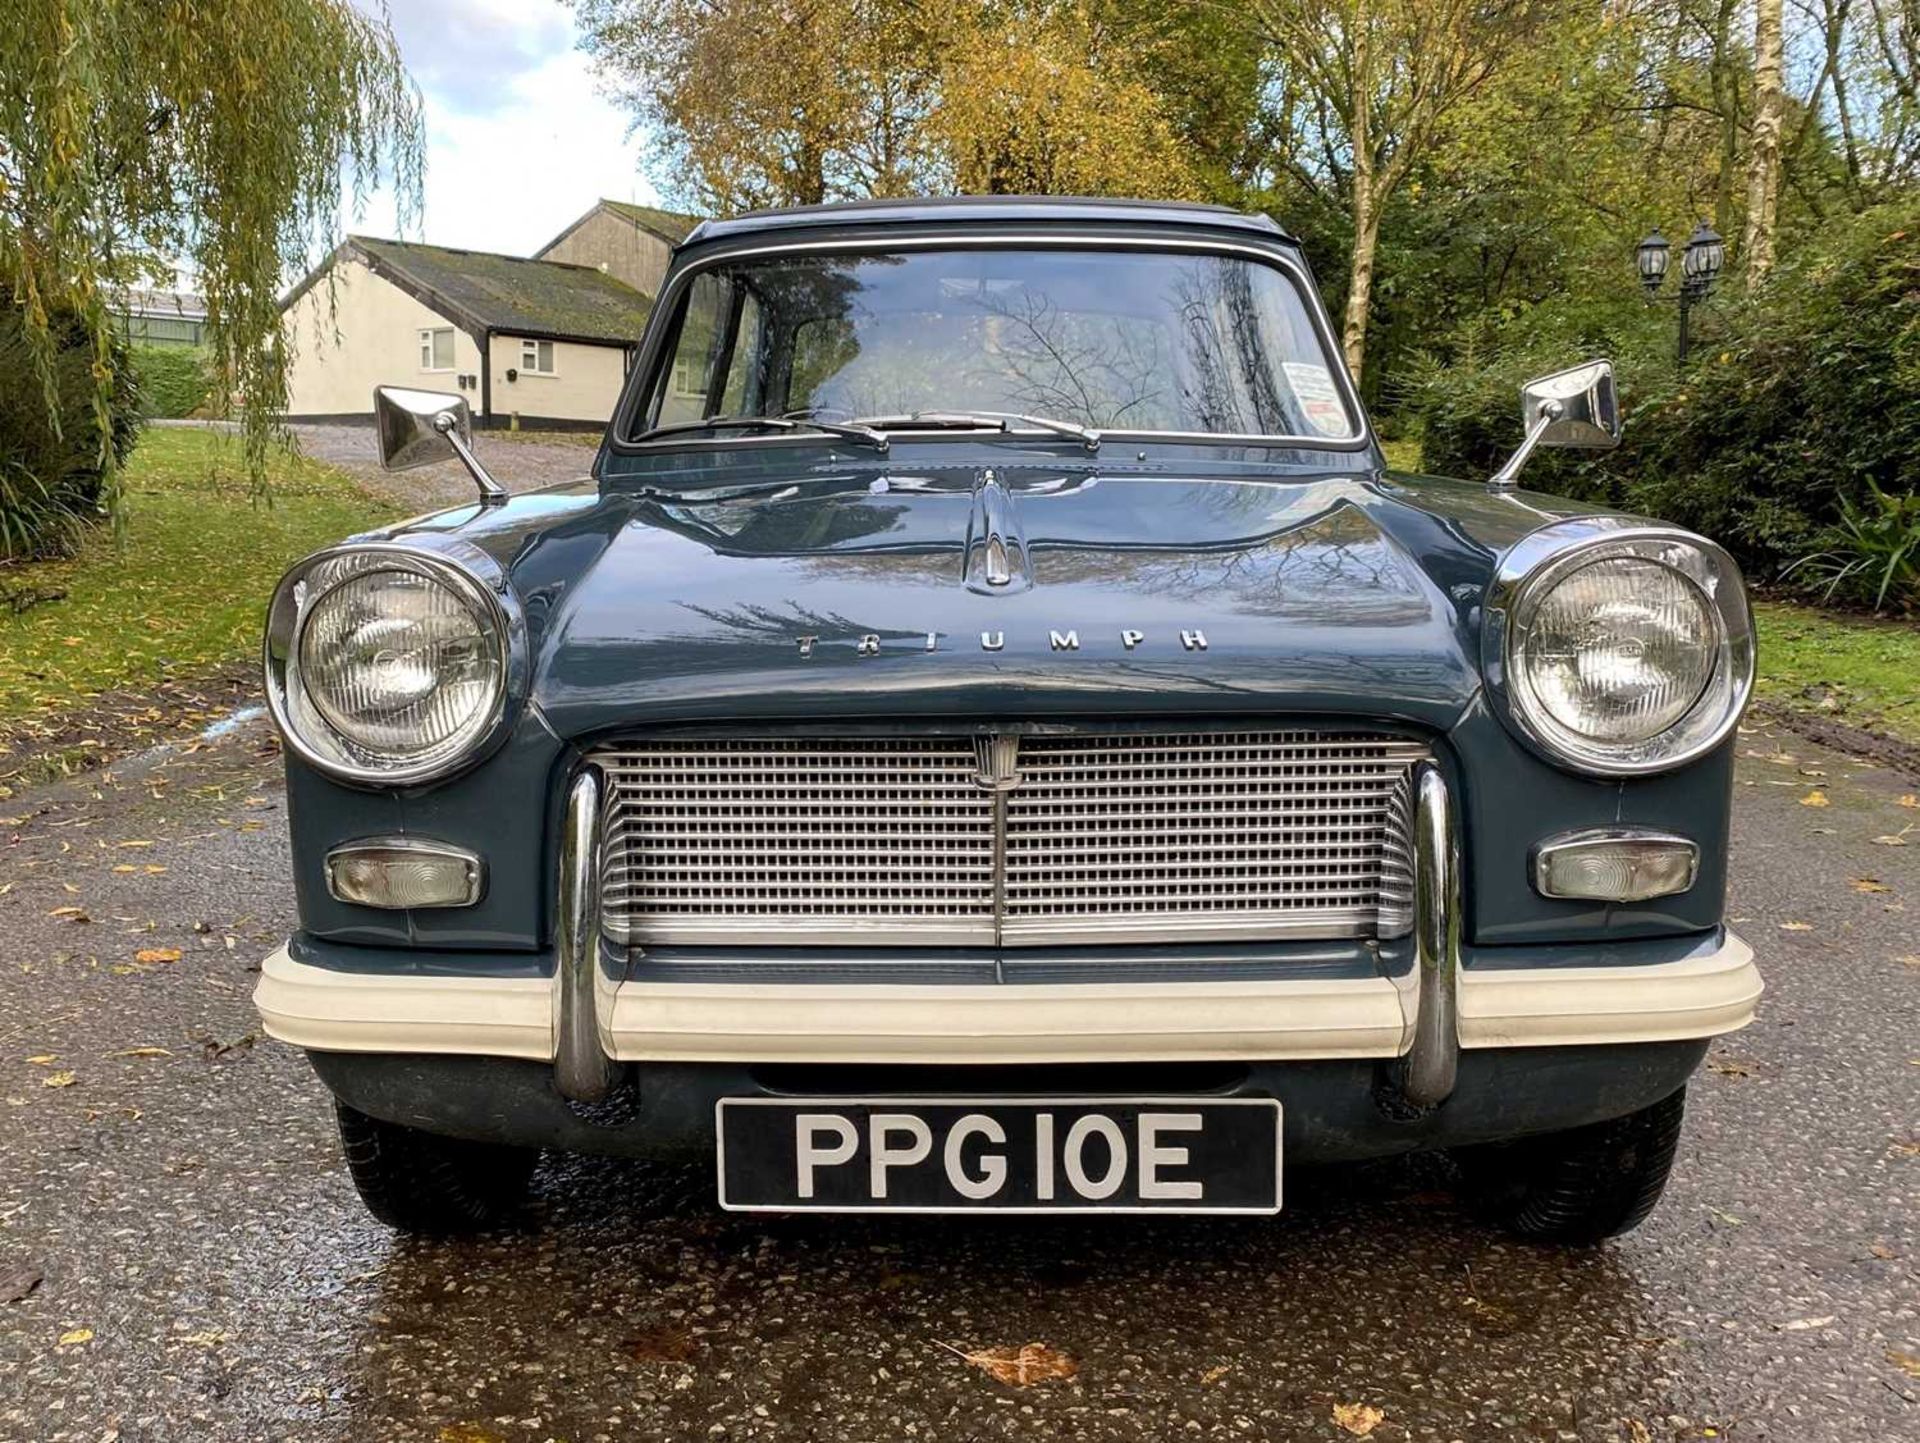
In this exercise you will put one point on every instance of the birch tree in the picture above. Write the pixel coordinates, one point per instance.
(1763, 161)
(1382, 80)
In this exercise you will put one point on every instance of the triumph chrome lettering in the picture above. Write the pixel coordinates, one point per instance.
(872, 643)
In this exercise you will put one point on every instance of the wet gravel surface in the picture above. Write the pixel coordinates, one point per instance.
(208, 1274)
(519, 464)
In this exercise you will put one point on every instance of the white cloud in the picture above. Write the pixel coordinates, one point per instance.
(519, 140)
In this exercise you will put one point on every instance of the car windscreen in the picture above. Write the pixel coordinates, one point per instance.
(1121, 340)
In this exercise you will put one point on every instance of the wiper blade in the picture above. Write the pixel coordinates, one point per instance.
(1002, 421)
(852, 431)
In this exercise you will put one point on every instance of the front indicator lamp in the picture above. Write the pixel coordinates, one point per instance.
(404, 872)
(1615, 864)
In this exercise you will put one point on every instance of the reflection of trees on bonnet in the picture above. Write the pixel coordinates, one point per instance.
(1334, 568)
(775, 624)
(1337, 570)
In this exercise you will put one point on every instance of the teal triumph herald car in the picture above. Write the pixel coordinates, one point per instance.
(991, 734)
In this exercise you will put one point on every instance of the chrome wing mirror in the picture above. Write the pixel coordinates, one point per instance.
(1575, 408)
(417, 428)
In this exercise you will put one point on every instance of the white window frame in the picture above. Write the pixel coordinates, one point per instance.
(427, 335)
(530, 357)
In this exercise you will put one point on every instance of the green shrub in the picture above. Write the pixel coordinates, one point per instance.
(174, 380)
(1870, 557)
(51, 472)
(1794, 406)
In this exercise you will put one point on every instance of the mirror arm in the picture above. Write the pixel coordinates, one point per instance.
(1507, 475)
(492, 493)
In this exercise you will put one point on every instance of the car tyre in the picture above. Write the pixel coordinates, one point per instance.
(1578, 1186)
(421, 1182)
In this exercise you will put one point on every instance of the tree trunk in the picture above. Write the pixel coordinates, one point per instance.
(1366, 239)
(1366, 208)
(1763, 167)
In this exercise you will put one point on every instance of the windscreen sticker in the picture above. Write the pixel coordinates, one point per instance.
(1319, 398)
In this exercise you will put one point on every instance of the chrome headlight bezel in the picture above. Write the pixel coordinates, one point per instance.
(463, 569)
(1544, 558)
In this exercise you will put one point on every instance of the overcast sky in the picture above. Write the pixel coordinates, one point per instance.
(519, 141)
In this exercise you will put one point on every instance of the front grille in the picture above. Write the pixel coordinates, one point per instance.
(1108, 836)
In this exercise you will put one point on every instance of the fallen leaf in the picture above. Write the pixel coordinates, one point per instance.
(1796, 926)
(1359, 1419)
(212, 1338)
(1907, 1363)
(468, 1433)
(1815, 798)
(75, 1336)
(1912, 959)
(1637, 1431)
(660, 1345)
(1214, 1375)
(16, 1283)
(1869, 884)
(1728, 1218)
(1805, 1325)
(1730, 1067)
(46, 1058)
(141, 1052)
(75, 915)
(58, 1079)
(1883, 1252)
(1893, 839)
(1906, 1147)
(1020, 1367)
(157, 954)
(1909, 800)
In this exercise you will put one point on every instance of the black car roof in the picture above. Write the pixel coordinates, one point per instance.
(988, 209)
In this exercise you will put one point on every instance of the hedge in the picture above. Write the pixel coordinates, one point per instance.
(174, 380)
(51, 477)
(1796, 405)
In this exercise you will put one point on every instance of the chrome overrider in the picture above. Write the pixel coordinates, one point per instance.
(1433, 1058)
(582, 1070)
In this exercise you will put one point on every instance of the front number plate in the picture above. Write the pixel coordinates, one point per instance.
(1043, 1155)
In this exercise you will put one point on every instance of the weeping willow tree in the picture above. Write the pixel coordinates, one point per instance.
(216, 135)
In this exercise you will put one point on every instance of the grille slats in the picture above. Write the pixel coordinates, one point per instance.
(1106, 836)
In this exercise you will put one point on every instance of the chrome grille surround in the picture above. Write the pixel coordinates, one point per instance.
(1101, 836)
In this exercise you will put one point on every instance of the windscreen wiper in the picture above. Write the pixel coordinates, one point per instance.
(851, 431)
(976, 420)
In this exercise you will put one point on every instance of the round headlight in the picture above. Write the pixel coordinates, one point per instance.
(386, 666)
(1621, 653)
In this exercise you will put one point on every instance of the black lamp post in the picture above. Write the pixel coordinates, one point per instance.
(1700, 265)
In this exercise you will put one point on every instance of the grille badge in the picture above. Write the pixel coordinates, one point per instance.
(998, 756)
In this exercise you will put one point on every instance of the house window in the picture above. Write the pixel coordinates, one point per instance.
(436, 349)
(536, 357)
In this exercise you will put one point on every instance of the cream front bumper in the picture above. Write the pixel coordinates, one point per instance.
(1303, 1020)
(586, 1024)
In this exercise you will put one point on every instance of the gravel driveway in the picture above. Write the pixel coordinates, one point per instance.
(209, 1275)
(517, 464)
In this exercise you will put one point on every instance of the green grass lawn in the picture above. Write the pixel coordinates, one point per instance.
(184, 589)
(1851, 668)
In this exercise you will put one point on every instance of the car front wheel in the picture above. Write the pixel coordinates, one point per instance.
(421, 1182)
(1578, 1186)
